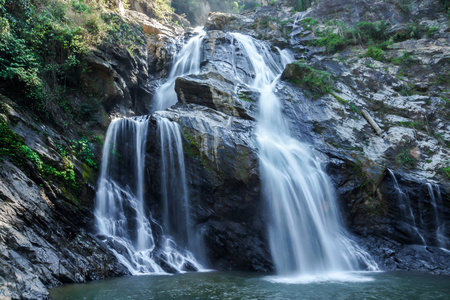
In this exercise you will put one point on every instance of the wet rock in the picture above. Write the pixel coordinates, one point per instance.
(214, 91)
(119, 75)
(225, 195)
(41, 247)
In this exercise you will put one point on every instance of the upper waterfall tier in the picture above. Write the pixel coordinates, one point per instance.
(305, 232)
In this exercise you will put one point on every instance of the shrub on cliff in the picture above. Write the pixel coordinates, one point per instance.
(42, 46)
(316, 82)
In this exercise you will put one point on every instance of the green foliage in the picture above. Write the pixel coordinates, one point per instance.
(302, 5)
(244, 96)
(39, 53)
(336, 36)
(405, 5)
(163, 10)
(12, 145)
(332, 42)
(345, 102)
(80, 6)
(317, 82)
(413, 31)
(193, 8)
(375, 53)
(84, 150)
(42, 47)
(432, 31)
(376, 31)
(415, 125)
(308, 23)
(445, 172)
(406, 159)
(446, 6)
(405, 60)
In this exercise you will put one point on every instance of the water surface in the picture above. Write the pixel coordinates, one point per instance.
(222, 285)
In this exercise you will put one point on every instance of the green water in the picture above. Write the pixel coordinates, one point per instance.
(222, 285)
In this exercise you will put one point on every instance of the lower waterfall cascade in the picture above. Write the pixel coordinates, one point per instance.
(122, 219)
(174, 188)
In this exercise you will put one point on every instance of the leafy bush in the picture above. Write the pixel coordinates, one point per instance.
(375, 53)
(302, 5)
(406, 159)
(376, 31)
(445, 172)
(317, 82)
(84, 149)
(11, 145)
(332, 42)
(413, 31)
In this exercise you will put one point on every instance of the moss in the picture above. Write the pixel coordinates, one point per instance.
(192, 149)
(244, 96)
(87, 173)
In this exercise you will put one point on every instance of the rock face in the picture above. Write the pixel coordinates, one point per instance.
(392, 189)
(223, 175)
(45, 235)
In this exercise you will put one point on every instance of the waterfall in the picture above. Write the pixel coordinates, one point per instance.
(305, 233)
(187, 61)
(436, 200)
(121, 216)
(405, 207)
(174, 188)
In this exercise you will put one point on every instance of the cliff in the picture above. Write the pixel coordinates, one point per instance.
(68, 68)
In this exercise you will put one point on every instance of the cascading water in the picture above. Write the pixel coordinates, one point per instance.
(122, 219)
(187, 61)
(305, 233)
(436, 201)
(406, 208)
(174, 188)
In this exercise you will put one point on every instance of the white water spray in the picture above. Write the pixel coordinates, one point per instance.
(305, 233)
(174, 188)
(122, 219)
(406, 208)
(187, 61)
(436, 200)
